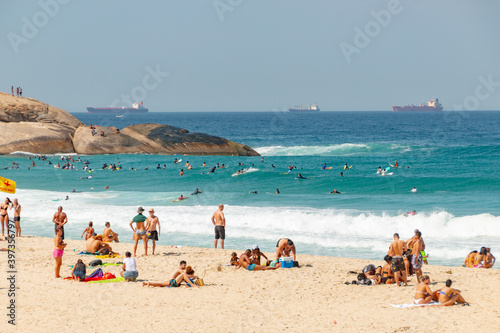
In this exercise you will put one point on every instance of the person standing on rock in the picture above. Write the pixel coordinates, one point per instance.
(219, 221)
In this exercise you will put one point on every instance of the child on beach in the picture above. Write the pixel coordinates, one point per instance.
(88, 231)
(234, 259)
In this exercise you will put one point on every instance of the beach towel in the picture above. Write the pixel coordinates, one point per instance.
(402, 306)
(103, 265)
(87, 253)
(118, 279)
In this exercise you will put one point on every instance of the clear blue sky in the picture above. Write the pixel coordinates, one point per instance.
(261, 56)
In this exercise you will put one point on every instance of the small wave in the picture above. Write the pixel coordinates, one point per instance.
(248, 170)
(313, 150)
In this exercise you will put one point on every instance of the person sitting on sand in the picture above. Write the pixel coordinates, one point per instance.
(373, 273)
(256, 254)
(139, 231)
(109, 235)
(88, 231)
(387, 276)
(58, 252)
(179, 275)
(490, 259)
(469, 259)
(283, 248)
(245, 263)
(79, 270)
(95, 245)
(424, 294)
(129, 271)
(234, 259)
(449, 296)
(478, 260)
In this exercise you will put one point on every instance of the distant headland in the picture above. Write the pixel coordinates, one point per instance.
(30, 125)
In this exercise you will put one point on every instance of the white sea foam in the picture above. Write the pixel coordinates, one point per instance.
(318, 231)
(331, 150)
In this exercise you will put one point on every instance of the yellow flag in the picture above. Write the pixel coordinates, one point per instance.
(7, 185)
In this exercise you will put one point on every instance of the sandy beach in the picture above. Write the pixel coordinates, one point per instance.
(312, 298)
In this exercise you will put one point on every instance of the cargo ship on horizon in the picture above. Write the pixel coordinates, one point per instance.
(310, 108)
(432, 105)
(136, 108)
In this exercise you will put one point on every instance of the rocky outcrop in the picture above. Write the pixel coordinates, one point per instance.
(32, 126)
(154, 139)
(38, 138)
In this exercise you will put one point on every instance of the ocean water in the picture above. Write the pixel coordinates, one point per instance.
(452, 158)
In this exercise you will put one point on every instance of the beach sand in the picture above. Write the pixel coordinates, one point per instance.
(312, 298)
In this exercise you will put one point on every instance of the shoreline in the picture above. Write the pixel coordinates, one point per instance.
(236, 299)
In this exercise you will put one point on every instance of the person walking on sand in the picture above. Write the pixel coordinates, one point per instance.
(59, 246)
(396, 252)
(219, 221)
(153, 222)
(60, 219)
(139, 231)
(17, 216)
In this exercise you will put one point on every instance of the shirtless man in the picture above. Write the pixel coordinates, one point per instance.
(17, 217)
(412, 240)
(448, 296)
(396, 250)
(416, 260)
(178, 276)
(60, 219)
(153, 222)
(219, 221)
(490, 259)
(245, 262)
(95, 244)
(139, 231)
(4, 217)
(283, 248)
(109, 235)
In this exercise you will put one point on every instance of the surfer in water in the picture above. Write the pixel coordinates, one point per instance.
(379, 170)
(335, 192)
(196, 192)
(414, 190)
(299, 176)
(396, 165)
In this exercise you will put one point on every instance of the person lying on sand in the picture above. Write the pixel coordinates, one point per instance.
(245, 262)
(109, 235)
(424, 294)
(449, 296)
(373, 273)
(181, 274)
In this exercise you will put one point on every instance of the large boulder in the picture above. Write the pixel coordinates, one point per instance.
(37, 138)
(154, 139)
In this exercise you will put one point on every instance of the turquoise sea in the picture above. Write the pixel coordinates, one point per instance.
(452, 158)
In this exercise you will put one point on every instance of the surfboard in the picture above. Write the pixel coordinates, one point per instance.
(347, 167)
(329, 168)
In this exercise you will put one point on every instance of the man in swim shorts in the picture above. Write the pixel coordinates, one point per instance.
(219, 221)
(17, 216)
(139, 231)
(283, 248)
(60, 219)
(153, 222)
(246, 263)
(416, 259)
(396, 251)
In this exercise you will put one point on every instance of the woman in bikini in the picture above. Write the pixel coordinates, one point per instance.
(424, 294)
(387, 275)
(59, 246)
(4, 216)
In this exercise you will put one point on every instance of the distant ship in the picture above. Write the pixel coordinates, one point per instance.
(432, 105)
(310, 108)
(136, 108)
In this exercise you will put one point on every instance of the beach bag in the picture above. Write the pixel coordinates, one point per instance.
(199, 281)
(97, 262)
